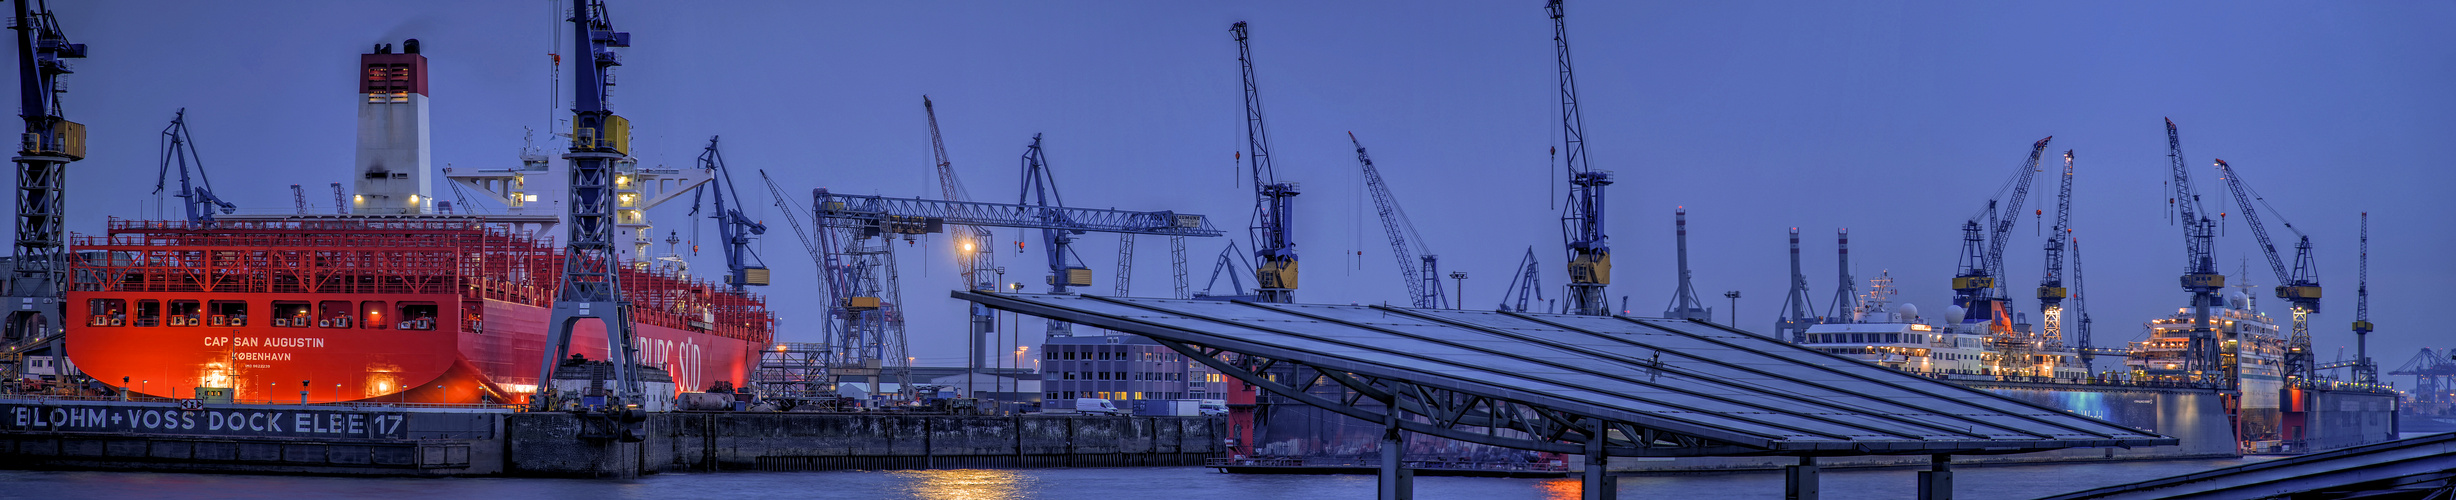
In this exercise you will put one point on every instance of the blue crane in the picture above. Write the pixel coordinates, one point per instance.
(1272, 231)
(2365, 372)
(2299, 287)
(1975, 287)
(972, 249)
(1684, 303)
(1590, 251)
(2080, 307)
(591, 285)
(1423, 276)
(196, 195)
(1795, 316)
(2200, 275)
(2051, 290)
(1227, 265)
(1057, 234)
(39, 270)
(743, 267)
(876, 215)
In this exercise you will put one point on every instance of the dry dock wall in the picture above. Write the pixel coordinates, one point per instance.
(546, 444)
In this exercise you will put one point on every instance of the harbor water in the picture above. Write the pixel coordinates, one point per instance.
(1185, 483)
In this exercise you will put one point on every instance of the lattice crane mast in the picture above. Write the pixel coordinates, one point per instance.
(1423, 274)
(2200, 275)
(1590, 251)
(591, 285)
(743, 267)
(51, 142)
(1273, 232)
(2299, 287)
(298, 198)
(2080, 307)
(2365, 372)
(341, 200)
(973, 254)
(195, 194)
(1526, 287)
(2051, 290)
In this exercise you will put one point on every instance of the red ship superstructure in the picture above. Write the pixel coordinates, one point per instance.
(386, 303)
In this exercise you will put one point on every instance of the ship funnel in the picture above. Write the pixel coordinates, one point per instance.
(393, 147)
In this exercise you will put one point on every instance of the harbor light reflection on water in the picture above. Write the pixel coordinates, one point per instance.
(1173, 483)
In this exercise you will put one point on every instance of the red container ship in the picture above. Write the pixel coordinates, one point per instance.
(388, 303)
(427, 308)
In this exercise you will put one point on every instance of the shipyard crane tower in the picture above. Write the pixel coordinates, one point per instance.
(1526, 287)
(2299, 287)
(1684, 303)
(1057, 232)
(2087, 351)
(2200, 275)
(1423, 276)
(1795, 317)
(196, 194)
(2365, 372)
(1272, 230)
(1590, 252)
(2051, 290)
(591, 285)
(1976, 287)
(341, 200)
(972, 250)
(298, 198)
(1845, 307)
(39, 267)
(743, 267)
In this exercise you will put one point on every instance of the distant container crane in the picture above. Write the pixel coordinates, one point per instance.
(1590, 251)
(1845, 307)
(195, 195)
(1684, 302)
(1417, 264)
(1794, 316)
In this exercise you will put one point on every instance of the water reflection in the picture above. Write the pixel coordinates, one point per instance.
(1562, 489)
(965, 484)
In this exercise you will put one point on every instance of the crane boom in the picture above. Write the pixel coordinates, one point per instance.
(1422, 276)
(2051, 287)
(972, 243)
(1590, 254)
(1273, 232)
(2000, 231)
(2300, 287)
(2200, 275)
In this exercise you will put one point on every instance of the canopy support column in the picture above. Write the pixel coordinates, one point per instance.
(1799, 481)
(1598, 483)
(1397, 481)
(1936, 483)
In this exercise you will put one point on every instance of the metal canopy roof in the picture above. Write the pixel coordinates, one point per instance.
(1649, 387)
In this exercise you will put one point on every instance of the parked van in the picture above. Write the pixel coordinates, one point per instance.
(1096, 406)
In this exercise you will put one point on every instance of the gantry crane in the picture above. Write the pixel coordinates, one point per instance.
(1795, 317)
(39, 267)
(743, 267)
(1684, 303)
(1423, 276)
(2200, 275)
(2051, 290)
(1526, 287)
(2365, 372)
(1057, 232)
(591, 285)
(1590, 251)
(2299, 287)
(1976, 287)
(195, 195)
(1272, 231)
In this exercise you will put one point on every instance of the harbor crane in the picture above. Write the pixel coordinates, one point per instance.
(1526, 287)
(2087, 351)
(591, 284)
(743, 267)
(1976, 288)
(1227, 266)
(2200, 275)
(2299, 287)
(341, 200)
(1590, 251)
(2365, 372)
(1684, 302)
(298, 198)
(976, 260)
(1272, 231)
(2051, 290)
(38, 272)
(1057, 234)
(196, 195)
(1795, 317)
(1422, 273)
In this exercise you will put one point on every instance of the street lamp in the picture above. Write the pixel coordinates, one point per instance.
(1735, 307)
(1461, 296)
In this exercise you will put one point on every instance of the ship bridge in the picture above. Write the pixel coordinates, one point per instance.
(1595, 386)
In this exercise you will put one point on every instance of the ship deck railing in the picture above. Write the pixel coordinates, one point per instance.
(1553, 466)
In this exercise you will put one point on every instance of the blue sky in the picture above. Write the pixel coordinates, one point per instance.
(1894, 119)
